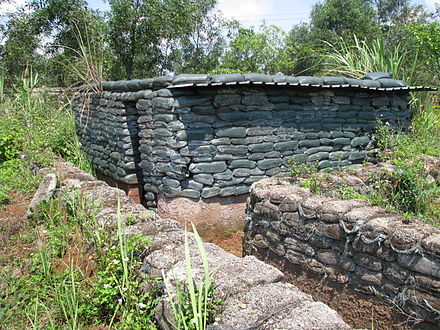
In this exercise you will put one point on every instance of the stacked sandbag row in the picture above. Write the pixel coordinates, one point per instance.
(109, 134)
(205, 142)
(214, 135)
(365, 248)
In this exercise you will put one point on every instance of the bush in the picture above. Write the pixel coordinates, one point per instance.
(35, 128)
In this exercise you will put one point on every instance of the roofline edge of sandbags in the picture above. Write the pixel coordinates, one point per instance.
(376, 81)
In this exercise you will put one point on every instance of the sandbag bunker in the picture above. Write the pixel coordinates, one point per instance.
(200, 136)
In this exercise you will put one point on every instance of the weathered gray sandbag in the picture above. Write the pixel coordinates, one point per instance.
(333, 80)
(226, 78)
(303, 80)
(257, 77)
(391, 83)
(377, 75)
(190, 79)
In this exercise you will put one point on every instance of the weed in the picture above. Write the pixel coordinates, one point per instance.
(117, 297)
(55, 290)
(35, 127)
(312, 183)
(360, 58)
(194, 305)
(299, 169)
(347, 192)
(407, 188)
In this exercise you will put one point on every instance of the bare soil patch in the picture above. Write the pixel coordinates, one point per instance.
(230, 242)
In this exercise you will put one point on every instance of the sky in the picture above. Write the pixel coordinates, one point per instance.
(283, 13)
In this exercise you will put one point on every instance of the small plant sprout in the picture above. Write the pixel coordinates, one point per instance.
(191, 303)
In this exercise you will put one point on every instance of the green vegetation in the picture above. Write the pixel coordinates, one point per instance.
(66, 283)
(78, 274)
(194, 305)
(410, 187)
(139, 39)
(358, 58)
(35, 128)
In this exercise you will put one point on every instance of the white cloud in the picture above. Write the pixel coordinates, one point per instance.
(246, 9)
(431, 3)
(10, 6)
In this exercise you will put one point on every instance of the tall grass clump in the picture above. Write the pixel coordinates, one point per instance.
(410, 187)
(193, 305)
(87, 65)
(361, 57)
(36, 127)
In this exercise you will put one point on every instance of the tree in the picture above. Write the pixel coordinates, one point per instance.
(334, 19)
(302, 46)
(142, 32)
(427, 38)
(31, 35)
(200, 50)
(263, 51)
(20, 45)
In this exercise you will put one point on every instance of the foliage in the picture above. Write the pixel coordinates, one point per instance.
(312, 183)
(264, 51)
(423, 136)
(200, 50)
(35, 127)
(27, 38)
(144, 38)
(87, 65)
(142, 32)
(332, 20)
(362, 57)
(300, 169)
(194, 305)
(409, 187)
(428, 45)
(303, 47)
(55, 291)
(348, 192)
(117, 296)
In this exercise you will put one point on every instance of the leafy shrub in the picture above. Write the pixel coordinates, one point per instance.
(408, 189)
(8, 149)
(300, 169)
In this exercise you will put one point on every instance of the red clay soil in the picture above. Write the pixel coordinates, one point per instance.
(230, 242)
(13, 214)
(15, 245)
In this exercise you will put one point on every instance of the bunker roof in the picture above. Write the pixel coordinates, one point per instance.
(376, 81)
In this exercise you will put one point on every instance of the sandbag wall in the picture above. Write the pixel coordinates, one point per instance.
(348, 242)
(203, 136)
(205, 142)
(108, 130)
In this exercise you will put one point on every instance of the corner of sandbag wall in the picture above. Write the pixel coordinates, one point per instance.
(201, 136)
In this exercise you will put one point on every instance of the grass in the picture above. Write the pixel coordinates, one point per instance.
(360, 58)
(65, 283)
(35, 128)
(78, 274)
(194, 305)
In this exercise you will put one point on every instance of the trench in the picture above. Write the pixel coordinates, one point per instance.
(221, 221)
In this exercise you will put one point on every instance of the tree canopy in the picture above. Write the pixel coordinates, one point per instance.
(144, 38)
